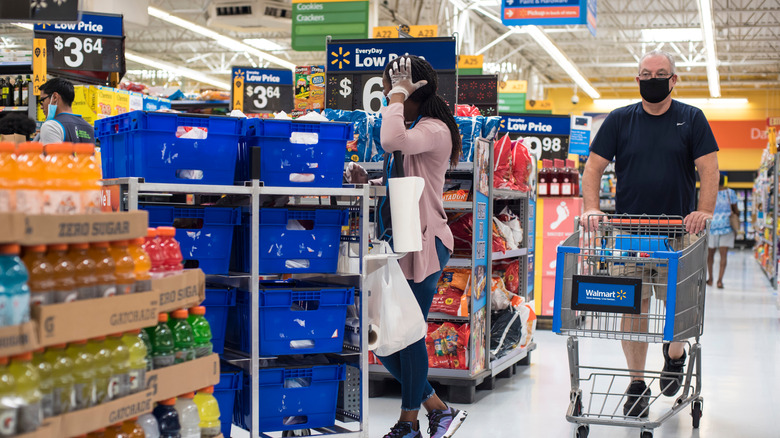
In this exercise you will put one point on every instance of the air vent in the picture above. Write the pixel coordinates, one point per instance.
(271, 11)
(229, 11)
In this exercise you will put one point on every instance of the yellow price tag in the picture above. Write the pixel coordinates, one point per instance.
(470, 61)
(538, 105)
(513, 87)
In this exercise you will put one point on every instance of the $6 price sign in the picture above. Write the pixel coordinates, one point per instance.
(78, 48)
(372, 92)
(261, 94)
(551, 146)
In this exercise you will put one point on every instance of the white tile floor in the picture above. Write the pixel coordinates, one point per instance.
(741, 375)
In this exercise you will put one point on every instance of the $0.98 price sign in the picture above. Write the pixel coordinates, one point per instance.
(547, 147)
(350, 92)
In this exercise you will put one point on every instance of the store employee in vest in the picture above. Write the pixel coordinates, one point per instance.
(61, 124)
(658, 145)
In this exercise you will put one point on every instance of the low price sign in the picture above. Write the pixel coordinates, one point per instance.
(546, 137)
(262, 90)
(95, 43)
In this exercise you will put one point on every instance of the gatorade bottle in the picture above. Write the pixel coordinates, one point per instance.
(163, 354)
(41, 273)
(155, 252)
(28, 393)
(133, 429)
(142, 264)
(86, 270)
(201, 330)
(83, 374)
(188, 416)
(171, 250)
(88, 176)
(168, 419)
(120, 364)
(137, 350)
(9, 175)
(101, 354)
(115, 431)
(100, 433)
(32, 177)
(64, 276)
(184, 340)
(144, 337)
(16, 294)
(208, 408)
(64, 395)
(47, 382)
(61, 193)
(8, 407)
(125, 267)
(105, 269)
(149, 424)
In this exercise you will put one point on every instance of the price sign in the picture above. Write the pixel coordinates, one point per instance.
(262, 91)
(95, 43)
(546, 137)
(545, 147)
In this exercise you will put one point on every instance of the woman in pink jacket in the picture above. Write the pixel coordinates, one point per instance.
(418, 123)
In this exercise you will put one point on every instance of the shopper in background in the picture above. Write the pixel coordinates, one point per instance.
(722, 236)
(657, 144)
(419, 124)
(61, 124)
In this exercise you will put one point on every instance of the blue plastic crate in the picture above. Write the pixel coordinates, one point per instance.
(205, 235)
(288, 251)
(144, 144)
(218, 301)
(296, 317)
(304, 396)
(231, 380)
(283, 163)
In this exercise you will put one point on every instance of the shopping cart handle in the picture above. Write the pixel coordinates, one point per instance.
(657, 222)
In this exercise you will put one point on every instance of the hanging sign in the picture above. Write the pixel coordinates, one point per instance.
(314, 20)
(590, 18)
(579, 141)
(39, 65)
(95, 43)
(546, 137)
(262, 90)
(538, 106)
(427, 31)
(544, 13)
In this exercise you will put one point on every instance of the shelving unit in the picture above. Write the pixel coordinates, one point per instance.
(765, 214)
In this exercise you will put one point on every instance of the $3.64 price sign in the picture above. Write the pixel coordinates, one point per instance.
(261, 95)
(83, 52)
(262, 98)
(76, 47)
(547, 147)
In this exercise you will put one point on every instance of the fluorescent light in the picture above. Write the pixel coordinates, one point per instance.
(175, 69)
(27, 26)
(708, 30)
(671, 35)
(226, 41)
(263, 44)
(721, 103)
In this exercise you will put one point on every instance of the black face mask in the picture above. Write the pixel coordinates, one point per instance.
(654, 90)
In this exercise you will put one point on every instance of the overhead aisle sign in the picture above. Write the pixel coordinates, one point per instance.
(545, 12)
(511, 96)
(314, 20)
(426, 31)
(262, 90)
(546, 137)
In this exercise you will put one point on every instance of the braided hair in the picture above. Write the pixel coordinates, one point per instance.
(431, 104)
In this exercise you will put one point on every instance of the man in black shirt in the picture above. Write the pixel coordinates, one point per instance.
(657, 144)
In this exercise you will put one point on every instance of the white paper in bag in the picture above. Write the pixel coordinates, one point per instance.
(405, 196)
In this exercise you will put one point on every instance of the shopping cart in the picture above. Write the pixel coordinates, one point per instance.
(600, 277)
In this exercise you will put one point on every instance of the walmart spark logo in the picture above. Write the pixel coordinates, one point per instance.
(621, 295)
(341, 58)
(502, 125)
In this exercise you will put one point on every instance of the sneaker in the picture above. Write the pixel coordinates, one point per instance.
(443, 424)
(403, 429)
(638, 400)
(672, 375)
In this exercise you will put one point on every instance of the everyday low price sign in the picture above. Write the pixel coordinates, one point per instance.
(546, 137)
(262, 91)
(95, 43)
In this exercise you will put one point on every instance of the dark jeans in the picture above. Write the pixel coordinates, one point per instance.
(410, 365)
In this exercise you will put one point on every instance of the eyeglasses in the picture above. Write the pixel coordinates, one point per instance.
(43, 99)
(645, 76)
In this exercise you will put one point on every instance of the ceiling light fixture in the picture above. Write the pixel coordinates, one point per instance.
(180, 71)
(549, 46)
(671, 35)
(27, 26)
(708, 31)
(263, 44)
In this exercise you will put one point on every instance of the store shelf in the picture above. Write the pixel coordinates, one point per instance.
(499, 365)
(438, 316)
(377, 166)
(459, 263)
(458, 205)
(509, 194)
(434, 373)
(8, 109)
(199, 104)
(510, 254)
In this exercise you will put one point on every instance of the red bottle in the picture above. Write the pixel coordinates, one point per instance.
(556, 178)
(575, 177)
(565, 179)
(544, 178)
(152, 247)
(171, 250)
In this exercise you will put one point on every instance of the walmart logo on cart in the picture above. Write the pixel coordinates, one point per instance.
(595, 294)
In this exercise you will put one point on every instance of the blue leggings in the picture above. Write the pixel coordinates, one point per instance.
(410, 365)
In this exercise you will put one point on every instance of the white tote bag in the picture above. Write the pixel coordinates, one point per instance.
(394, 317)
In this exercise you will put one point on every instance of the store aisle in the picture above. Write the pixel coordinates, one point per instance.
(741, 375)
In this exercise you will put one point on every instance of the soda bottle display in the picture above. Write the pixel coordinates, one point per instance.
(149, 424)
(167, 419)
(88, 177)
(120, 365)
(133, 429)
(208, 409)
(64, 395)
(201, 330)
(171, 250)
(101, 355)
(189, 419)
(47, 382)
(105, 270)
(41, 275)
(86, 270)
(162, 343)
(154, 250)
(183, 338)
(83, 374)
(64, 276)
(8, 406)
(9, 176)
(142, 265)
(32, 178)
(125, 267)
(15, 297)
(28, 392)
(61, 193)
(138, 353)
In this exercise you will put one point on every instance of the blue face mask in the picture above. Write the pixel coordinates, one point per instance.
(384, 100)
(52, 112)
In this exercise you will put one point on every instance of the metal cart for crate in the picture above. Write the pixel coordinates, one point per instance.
(600, 276)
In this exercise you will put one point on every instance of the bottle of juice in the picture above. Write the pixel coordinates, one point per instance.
(101, 355)
(83, 374)
(61, 192)
(8, 407)
(41, 275)
(162, 343)
(148, 423)
(144, 337)
(208, 408)
(153, 248)
(138, 353)
(47, 382)
(133, 429)
(105, 269)
(9, 176)
(86, 270)
(88, 176)
(188, 416)
(125, 267)
(115, 431)
(28, 392)
(32, 177)
(555, 178)
(13, 277)
(143, 265)
(565, 180)
(183, 338)
(64, 276)
(64, 395)
(544, 178)
(575, 177)
(171, 250)
(168, 419)
(201, 330)
(120, 364)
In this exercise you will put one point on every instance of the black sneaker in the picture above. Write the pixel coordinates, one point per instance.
(638, 400)
(403, 429)
(672, 375)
